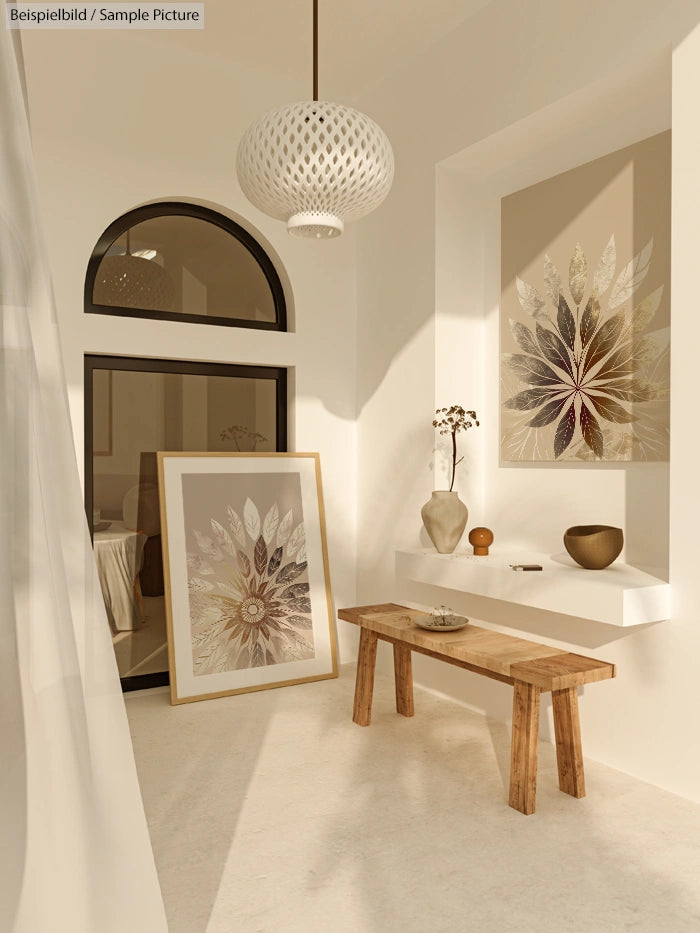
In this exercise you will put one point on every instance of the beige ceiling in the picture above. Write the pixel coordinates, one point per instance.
(360, 41)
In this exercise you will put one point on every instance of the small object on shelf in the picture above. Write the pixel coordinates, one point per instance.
(593, 546)
(445, 518)
(481, 540)
(526, 566)
(441, 620)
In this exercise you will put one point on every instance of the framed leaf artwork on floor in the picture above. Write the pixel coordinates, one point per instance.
(585, 311)
(248, 599)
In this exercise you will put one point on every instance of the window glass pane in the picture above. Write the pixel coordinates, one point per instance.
(184, 265)
(135, 414)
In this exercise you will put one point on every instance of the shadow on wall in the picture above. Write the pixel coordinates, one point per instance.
(532, 622)
(396, 245)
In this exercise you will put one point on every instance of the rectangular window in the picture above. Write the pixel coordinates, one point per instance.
(134, 408)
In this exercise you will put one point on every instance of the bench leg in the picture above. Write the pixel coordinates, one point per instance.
(523, 751)
(364, 682)
(567, 732)
(403, 678)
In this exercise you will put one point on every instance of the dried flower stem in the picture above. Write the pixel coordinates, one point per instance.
(454, 420)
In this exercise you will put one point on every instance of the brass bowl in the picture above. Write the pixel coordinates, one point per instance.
(593, 546)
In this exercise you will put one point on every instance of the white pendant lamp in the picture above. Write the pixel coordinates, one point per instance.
(315, 164)
(129, 281)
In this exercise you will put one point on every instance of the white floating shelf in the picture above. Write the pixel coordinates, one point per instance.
(618, 595)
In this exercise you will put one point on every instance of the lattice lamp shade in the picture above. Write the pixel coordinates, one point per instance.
(315, 164)
(132, 282)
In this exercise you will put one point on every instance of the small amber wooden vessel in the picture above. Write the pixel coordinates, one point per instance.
(481, 540)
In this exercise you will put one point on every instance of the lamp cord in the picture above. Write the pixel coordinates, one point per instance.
(315, 49)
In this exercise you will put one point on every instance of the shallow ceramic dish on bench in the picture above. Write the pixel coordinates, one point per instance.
(451, 623)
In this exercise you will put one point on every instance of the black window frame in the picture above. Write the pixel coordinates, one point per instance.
(169, 208)
(92, 361)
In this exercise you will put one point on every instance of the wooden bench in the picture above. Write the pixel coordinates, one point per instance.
(531, 669)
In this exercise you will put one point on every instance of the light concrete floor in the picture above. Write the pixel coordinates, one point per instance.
(271, 812)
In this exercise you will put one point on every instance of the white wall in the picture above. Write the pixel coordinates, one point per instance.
(119, 120)
(521, 92)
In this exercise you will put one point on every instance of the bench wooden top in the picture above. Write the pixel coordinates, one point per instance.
(502, 656)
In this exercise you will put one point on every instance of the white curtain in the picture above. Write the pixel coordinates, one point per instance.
(75, 854)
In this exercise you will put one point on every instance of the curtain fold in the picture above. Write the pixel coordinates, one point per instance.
(75, 854)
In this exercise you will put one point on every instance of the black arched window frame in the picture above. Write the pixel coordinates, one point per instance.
(164, 208)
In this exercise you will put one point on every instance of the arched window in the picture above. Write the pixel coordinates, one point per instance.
(181, 262)
(173, 262)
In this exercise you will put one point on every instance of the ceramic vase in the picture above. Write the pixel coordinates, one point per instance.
(445, 518)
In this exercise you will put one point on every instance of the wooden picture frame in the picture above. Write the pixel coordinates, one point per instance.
(247, 588)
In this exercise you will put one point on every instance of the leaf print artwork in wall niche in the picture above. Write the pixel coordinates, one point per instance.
(585, 324)
(247, 597)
